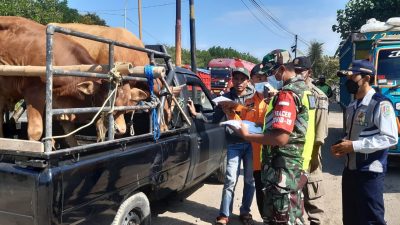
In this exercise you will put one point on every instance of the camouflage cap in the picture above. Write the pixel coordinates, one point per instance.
(241, 70)
(276, 58)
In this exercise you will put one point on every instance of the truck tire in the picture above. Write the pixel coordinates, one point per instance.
(220, 173)
(134, 211)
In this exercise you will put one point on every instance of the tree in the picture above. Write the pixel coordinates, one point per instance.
(357, 12)
(315, 52)
(323, 64)
(330, 68)
(47, 11)
(205, 56)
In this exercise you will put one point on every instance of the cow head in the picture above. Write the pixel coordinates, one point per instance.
(169, 107)
(126, 96)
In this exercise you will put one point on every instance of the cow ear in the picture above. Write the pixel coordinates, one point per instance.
(138, 94)
(87, 87)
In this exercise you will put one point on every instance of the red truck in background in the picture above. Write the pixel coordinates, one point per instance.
(203, 74)
(221, 73)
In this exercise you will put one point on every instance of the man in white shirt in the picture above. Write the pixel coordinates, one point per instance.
(371, 131)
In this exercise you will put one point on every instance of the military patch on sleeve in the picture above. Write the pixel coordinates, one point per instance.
(311, 101)
(386, 110)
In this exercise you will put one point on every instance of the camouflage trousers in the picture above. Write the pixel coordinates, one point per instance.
(283, 197)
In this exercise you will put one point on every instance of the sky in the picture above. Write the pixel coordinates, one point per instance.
(227, 23)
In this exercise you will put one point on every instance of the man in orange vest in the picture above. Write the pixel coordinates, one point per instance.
(255, 110)
(238, 149)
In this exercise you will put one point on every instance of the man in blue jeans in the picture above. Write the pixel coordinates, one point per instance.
(238, 149)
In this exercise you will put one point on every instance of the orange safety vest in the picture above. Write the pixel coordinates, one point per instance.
(255, 111)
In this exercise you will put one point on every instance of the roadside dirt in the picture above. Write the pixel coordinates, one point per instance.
(203, 205)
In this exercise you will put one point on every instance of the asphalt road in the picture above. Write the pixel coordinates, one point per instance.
(202, 206)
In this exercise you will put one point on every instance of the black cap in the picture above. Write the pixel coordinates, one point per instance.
(302, 63)
(258, 70)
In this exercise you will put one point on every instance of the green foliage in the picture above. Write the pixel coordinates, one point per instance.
(47, 11)
(315, 52)
(323, 64)
(205, 56)
(357, 12)
(331, 66)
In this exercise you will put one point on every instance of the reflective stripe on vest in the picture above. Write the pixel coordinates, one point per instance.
(308, 101)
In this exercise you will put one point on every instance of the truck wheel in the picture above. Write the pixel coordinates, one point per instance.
(220, 174)
(134, 211)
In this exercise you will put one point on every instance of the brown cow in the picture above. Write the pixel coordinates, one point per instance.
(23, 42)
(99, 51)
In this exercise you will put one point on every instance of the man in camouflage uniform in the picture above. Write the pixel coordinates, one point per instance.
(283, 142)
(313, 191)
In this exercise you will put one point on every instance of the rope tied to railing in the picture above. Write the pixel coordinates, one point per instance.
(88, 124)
(148, 70)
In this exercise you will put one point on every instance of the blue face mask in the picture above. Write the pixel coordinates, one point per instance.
(260, 87)
(275, 83)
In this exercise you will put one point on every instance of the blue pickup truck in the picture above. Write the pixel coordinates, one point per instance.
(383, 49)
(115, 181)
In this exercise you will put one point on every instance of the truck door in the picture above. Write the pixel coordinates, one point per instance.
(208, 139)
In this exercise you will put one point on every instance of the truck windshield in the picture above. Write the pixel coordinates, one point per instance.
(220, 73)
(389, 64)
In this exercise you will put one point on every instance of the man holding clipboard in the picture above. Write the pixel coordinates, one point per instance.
(238, 149)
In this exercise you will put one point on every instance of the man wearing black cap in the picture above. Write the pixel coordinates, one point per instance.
(313, 191)
(370, 131)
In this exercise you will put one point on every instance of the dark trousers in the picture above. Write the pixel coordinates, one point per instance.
(259, 192)
(362, 198)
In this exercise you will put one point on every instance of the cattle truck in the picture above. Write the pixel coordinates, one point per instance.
(383, 49)
(221, 73)
(115, 181)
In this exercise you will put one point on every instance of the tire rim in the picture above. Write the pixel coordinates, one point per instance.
(132, 218)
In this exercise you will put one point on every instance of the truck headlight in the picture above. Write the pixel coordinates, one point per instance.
(398, 106)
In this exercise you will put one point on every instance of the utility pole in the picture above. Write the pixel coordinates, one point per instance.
(295, 46)
(178, 36)
(192, 37)
(140, 19)
(125, 14)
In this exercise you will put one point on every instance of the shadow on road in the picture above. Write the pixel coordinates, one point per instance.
(331, 164)
(197, 210)
(392, 184)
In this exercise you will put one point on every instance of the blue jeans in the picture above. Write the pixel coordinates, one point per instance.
(236, 153)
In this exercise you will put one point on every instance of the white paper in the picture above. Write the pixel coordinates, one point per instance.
(234, 123)
(251, 126)
(221, 99)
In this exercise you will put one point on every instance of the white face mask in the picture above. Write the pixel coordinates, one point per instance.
(275, 83)
(260, 87)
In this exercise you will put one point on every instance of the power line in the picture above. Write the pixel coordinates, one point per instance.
(258, 19)
(144, 7)
(265, 15)
(148, 33)
(270, 17)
